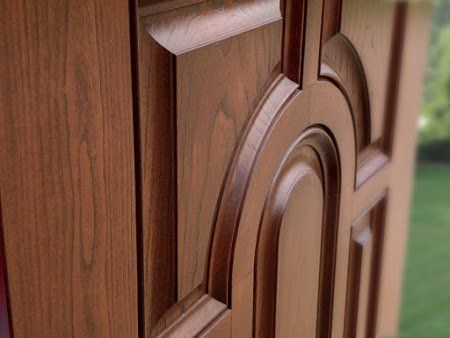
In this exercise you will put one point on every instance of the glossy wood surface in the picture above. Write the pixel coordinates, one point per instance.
(67, 168)
(190, 168)
(250, 84)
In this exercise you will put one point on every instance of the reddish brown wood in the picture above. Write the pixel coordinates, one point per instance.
(67, 168)
(266, 190)
(364, 272)
(158, 193)
(342, 66)
(328, 72)
(5, 317)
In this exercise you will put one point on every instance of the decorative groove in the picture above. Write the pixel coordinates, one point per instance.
(364, 272)
(270, 135)
(184, 29)
(234, 191)
(198, 317)
(370, 161)
(312, 153)
(191, 122)
(342, 66)
(293, 37)
(398, 37)
(331, 20)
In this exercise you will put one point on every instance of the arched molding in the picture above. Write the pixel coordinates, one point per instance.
(281, 122)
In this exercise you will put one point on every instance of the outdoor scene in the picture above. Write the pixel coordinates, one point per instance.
(426, 296)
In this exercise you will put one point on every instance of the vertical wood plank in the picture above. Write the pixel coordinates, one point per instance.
(67, 168)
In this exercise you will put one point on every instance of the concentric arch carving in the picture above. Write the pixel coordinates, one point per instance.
(289, 146)
(266, 124)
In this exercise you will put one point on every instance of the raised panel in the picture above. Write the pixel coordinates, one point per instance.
(299, 260)
(369, 25)
(215, 77)
(218, 87)
(364, 272)
(361, 48)
(253, 201)
(272, 123)
(288, 249)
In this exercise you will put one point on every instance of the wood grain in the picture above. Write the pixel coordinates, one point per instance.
(67, 168)
(158, 178)
(208, 129)
(200, 319)
(275, 129)
(368, 24)
(413, 61)
(364, 272)
(209, 107)
(312, 43)
(288, 249)
(341, 65)
(267, 136)
(5, 317)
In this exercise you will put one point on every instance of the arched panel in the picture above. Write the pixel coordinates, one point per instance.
(341, 65)
(278, 132)
(288, 254)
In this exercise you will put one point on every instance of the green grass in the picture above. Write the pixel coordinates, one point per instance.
(426, 290)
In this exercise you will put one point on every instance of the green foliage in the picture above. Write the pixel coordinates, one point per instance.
(436, 110)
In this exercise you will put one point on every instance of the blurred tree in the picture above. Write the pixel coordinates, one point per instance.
(436, 111)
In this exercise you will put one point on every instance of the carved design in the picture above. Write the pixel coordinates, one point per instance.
(364, 273)
(301, 170)
(277, 128)
(361, 46)
(253, 129)
(235, 189)
(341, 65)
(192, 27)
(212, 62)
(202, 314)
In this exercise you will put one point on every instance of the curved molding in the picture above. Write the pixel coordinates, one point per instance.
(187, 28)
(342, 66)
(235, 188)
(287, 118)
(313, 153)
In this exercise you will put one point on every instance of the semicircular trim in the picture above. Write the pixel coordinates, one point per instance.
(312, 154)
(342, 66)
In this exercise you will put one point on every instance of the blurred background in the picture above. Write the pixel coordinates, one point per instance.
(426, 290)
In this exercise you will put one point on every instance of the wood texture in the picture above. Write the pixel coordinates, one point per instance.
(5, 317)
(368, 24)
(266, 190)
(413, 61)
(299, 261)
(364, 272)
(291, 227)
(158, 192)
(67, 168)
(200, 320)
(342, 66)
(256, 105)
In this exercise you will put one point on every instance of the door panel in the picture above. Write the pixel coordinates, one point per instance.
(280, 123)
(215, 168)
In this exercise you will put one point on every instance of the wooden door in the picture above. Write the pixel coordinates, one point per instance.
(216, 168)
(276, 142)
